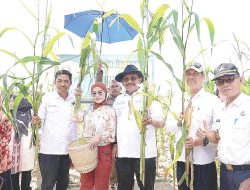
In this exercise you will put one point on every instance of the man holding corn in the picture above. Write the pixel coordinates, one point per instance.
(128, 133)
(232, 131)
(58, 130)
(205, 107)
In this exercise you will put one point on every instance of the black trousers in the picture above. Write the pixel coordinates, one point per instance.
(54, 170)
(231, 180)
(205, 176)
(25, 183)
(5, 177)
(127, 167)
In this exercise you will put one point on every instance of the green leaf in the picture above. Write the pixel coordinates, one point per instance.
(99, 4)
(187, 89)
(86, 40)
(132, 22)
(175, 15)
(182, 179)
(54, 56)
(95, 26)
(11, 28)
(9, 53)
(197, 23)
(189, 63)
(211, 29)
(29, 10)
(51, 43)
(16, 103)
(46, 61)
(140, 54)
(160, 11)
(142, 8)
(108, 13)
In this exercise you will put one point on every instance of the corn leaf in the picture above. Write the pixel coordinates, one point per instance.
(52, 42)
(29, 10)
(108, 13)
(160, 11)
(175, 15)
(54, 56)
(99, 3)
(189, 63)
(140, 54)
(15, 105)
(11, 28)
(197, 23)
(211, 30)
(86, 40)
(132, 22)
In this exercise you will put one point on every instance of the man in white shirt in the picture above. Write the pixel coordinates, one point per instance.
(206, 107)
(232, 132)
(128, 133)
(58, 130)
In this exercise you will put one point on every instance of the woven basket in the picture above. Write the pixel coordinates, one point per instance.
(83, 158)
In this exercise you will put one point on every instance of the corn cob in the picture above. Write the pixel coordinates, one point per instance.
(137, 115)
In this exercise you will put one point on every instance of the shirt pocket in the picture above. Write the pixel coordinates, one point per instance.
(205, 114)
(240, 131)
(52, 112)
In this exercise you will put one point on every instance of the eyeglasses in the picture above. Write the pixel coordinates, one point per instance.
(100, 93)
(228, 80)
(127, 79)
(190, 74)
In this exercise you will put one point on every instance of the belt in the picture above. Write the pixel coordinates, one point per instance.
(236, 167)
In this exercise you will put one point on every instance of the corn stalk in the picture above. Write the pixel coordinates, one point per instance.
(85, 52)
(34, 75)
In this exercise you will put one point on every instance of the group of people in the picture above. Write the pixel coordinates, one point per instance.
(17, 152)
(114, 131)
(226, 124)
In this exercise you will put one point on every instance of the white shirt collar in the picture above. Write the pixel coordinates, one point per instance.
(70, 95)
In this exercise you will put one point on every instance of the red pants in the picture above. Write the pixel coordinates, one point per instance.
(99, 177)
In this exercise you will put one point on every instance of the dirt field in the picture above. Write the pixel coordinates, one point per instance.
(75, 178)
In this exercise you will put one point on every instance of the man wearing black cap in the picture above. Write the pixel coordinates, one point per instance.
(205, 107)
(128, 133)
(232, 131)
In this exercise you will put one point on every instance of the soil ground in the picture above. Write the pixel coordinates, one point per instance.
(75, 182)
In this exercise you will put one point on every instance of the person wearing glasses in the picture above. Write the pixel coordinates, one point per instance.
(100, 124)
(128, 133)
(206, 108)
(114, 90)
(232, 133)
(57, 131)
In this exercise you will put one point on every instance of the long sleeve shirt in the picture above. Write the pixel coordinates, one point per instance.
(58, 130)
(206, 107)
(97, 121)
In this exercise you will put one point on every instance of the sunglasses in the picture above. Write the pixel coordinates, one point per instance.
(127, 79)
(229, 80)
(100, 93)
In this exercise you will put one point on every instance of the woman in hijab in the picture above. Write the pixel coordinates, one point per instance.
(5, 156)
(99, 123)
(23, 156)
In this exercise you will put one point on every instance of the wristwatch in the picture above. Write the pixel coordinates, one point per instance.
(205, 141)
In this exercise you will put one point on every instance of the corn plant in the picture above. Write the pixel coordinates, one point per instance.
(34, 74)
